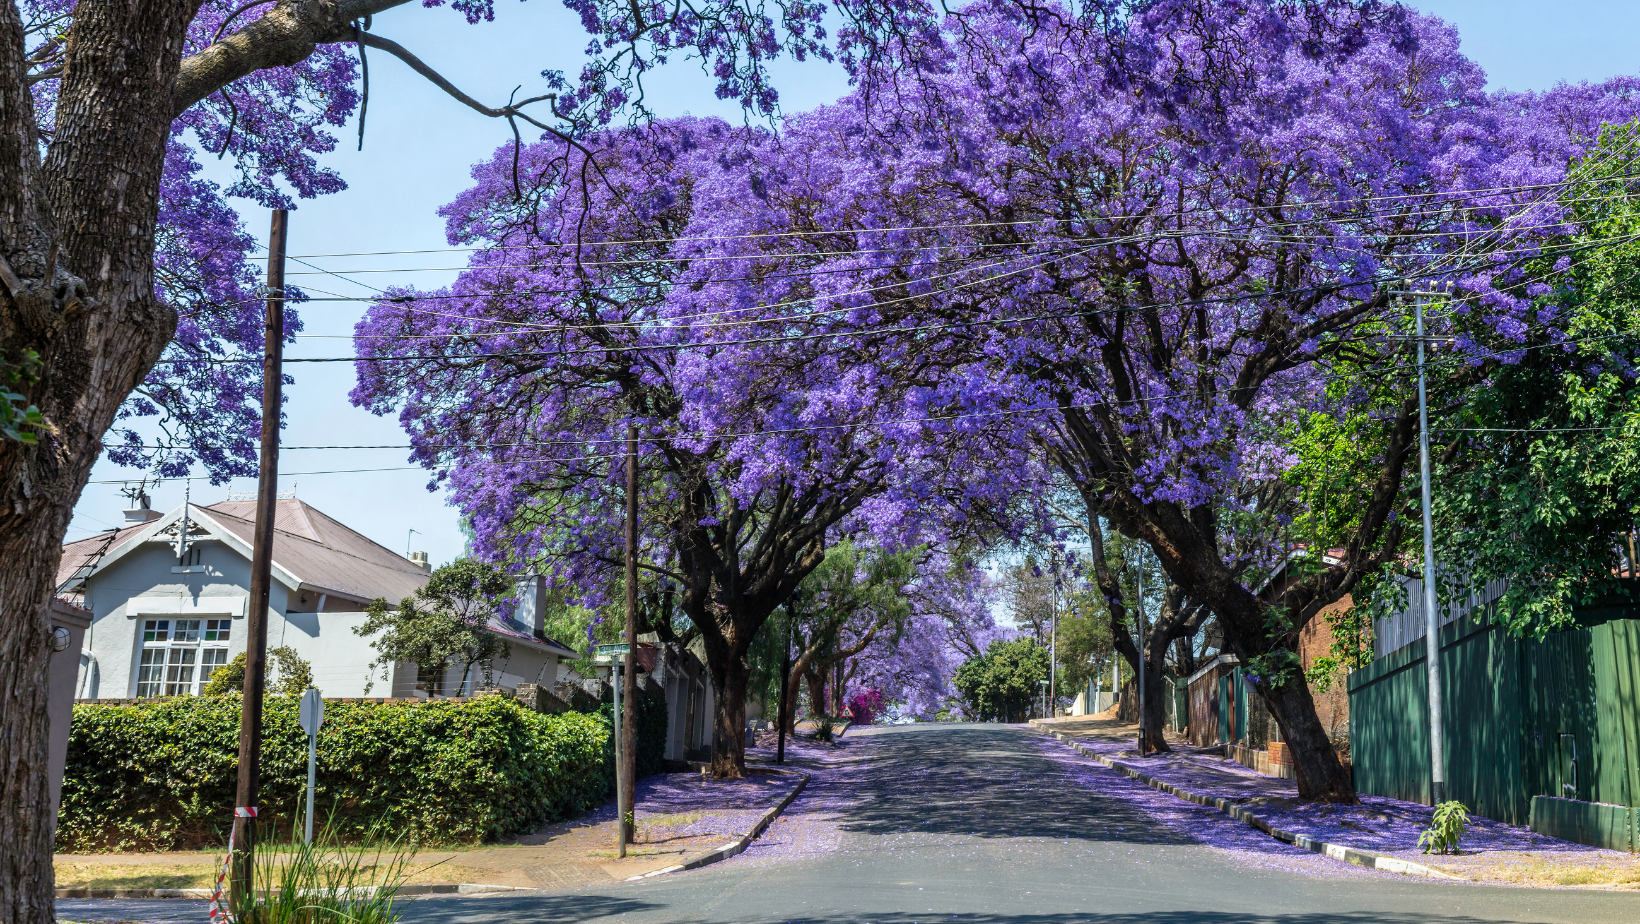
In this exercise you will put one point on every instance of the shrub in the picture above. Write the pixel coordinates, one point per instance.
(826, 727)
(1445, 832)
(325, 882)
(295, 675)
(864, 706)
(160, 774)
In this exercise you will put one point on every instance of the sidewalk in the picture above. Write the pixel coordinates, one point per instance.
(1492, 851)
(679, 816)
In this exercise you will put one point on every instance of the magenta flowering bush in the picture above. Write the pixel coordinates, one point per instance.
(865, 705)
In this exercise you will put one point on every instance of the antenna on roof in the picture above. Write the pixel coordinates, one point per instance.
(138, 495)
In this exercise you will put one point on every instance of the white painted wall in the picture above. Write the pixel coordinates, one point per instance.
(144, 579)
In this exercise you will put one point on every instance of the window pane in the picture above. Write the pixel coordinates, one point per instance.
(187, 630)
(217, 630)
(149, 673)
(156, 630)
(179, 675)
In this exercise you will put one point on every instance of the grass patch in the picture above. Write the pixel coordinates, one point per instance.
(1567, 874)
(106, 876)
(675, 820)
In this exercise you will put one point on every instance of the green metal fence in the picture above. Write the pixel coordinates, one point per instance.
(1558, 717)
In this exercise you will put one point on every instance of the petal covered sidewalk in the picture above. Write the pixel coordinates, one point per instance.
(1492, 851)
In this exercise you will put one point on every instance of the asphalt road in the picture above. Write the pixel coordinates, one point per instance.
(990, 824)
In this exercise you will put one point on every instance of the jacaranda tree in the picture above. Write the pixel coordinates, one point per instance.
(124, 288)
(1162, 271)
(662, 298)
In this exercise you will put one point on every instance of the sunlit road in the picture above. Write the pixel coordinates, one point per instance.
(990, 824)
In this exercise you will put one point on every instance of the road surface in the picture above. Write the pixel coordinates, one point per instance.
(997, 825)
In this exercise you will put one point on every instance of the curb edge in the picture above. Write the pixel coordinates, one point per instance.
(738, 845)
(1354, 855)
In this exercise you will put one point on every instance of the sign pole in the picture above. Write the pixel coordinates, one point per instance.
(311, 715)
(256, 634)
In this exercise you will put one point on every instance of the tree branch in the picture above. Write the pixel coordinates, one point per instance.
(286, 35)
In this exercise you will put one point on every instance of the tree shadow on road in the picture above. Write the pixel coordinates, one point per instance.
(982, 781)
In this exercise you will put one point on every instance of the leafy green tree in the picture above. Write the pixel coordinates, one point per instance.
(1002, 683)
(444, 623)
(293, 674)
(1539, 471)
(1085, 642)
(854, 598)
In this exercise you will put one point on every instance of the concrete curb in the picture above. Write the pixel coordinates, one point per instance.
(738, 845)
(465, 888)
(1229, 807)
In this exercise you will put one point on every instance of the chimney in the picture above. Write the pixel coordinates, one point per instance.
(419, 559)
(532, 603)
(140, 513)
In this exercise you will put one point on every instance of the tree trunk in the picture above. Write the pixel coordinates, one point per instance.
(817, 691)
(1156, 691)
(729, 720)
(77, 239)
(1321, 774)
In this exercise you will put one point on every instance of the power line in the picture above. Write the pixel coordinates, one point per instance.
(1335, 286)
(1204, 210)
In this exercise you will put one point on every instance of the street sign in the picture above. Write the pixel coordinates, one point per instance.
(312, 712)
(607, 650)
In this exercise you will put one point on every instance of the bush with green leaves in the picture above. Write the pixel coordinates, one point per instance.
(292, 674)
(1445, 833)
(160, 774)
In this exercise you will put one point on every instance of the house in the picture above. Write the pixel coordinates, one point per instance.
(681, 672)
(168, 598)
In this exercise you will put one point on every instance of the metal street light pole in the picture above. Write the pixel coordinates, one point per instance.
(1432, 619)
(629, 723)
(1139, 620)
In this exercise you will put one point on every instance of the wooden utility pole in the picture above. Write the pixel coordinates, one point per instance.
(629, 684)
(256, 618)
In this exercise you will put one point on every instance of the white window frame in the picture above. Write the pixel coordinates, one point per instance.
(176, 654)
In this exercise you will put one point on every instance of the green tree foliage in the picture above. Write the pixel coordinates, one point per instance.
(1539, 474)
(1085, 642)
(444, 623)
(17, 420)
(292, 674)
(1002, 683)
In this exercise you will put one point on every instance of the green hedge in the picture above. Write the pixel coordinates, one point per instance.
(160, 775)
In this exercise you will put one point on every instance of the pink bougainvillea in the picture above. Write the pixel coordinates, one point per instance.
(865, 704)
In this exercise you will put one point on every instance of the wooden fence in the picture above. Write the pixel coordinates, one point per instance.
(1557, 717)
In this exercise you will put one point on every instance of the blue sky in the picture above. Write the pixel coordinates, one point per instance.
(420, 144)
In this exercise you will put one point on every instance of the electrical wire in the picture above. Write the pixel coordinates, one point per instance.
(1205, 210)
